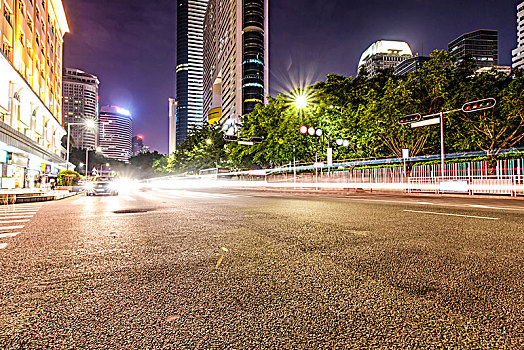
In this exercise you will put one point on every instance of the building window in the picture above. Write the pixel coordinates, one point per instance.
(8, 16)
(7, 49)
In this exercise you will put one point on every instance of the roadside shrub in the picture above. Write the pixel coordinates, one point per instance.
(68, 178)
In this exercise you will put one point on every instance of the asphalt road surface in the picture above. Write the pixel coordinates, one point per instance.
(187, 269)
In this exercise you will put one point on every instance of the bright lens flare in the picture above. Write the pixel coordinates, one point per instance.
(301, 101)
(90, 123)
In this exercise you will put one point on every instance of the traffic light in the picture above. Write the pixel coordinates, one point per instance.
(256, 139)
(408, 119)
(230, 137)
(480, 105)
(303, 129)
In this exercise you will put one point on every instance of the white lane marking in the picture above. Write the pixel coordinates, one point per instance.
(443, 204)
(17, 215)
(3, 245)
(425, 203)
(195, 195)
(3, 228)
(12, 221)
(23, 211)
(129, 198)
(450, 214)
(148, 196)
(79, 200)
(9, 235)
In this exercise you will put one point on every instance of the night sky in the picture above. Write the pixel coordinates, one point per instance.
(130, 44)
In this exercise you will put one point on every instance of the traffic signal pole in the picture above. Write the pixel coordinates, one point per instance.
(417, 120)
(442, 148)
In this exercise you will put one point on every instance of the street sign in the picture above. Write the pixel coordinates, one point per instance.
(426, 122)
(330, 157)
(405, 153)
(311, 131)
(245, 143)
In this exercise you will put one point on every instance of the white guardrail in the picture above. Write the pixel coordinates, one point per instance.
(501, 185)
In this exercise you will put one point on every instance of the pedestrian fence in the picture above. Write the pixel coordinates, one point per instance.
(506, 177)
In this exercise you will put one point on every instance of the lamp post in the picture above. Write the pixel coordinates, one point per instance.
(89, 124)
(417, 120)
(87, 161)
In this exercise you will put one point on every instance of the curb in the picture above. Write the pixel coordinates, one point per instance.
(34, 199)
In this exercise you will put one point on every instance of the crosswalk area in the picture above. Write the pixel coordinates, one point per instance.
(13, 218)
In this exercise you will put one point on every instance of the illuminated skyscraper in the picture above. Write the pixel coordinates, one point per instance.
(31, 40)
(384, 54)
(189, 70)
(236, 58)
(482, 45)
(115, 130)
(518, 53)
(80, 103)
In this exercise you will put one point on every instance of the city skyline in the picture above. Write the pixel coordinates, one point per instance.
(307, 42)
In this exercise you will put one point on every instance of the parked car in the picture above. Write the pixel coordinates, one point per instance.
(101, 186)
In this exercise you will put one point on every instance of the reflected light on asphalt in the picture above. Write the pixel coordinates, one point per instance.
(125, 186)
(196, 184)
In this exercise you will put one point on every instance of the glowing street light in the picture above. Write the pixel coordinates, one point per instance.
(301, 101)
(90, 124)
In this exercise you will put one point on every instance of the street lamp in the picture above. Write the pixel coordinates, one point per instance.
(301, 101)
(89, 124)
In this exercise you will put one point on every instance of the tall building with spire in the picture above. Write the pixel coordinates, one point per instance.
(236, 59)
(189, 69)
(518, 53)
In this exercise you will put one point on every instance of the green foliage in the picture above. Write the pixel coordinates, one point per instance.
(68, 178)
(142, 165)
(366, 111)
(204, 148)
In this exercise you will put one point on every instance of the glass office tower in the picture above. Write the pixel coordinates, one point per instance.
(189, 70)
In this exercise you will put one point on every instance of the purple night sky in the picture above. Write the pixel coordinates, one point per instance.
(130, 44)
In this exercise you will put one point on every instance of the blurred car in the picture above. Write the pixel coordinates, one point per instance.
(101, 186)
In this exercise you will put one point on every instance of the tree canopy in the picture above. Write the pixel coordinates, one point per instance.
(365, 110)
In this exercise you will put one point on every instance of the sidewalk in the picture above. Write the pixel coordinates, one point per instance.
(32, 195)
